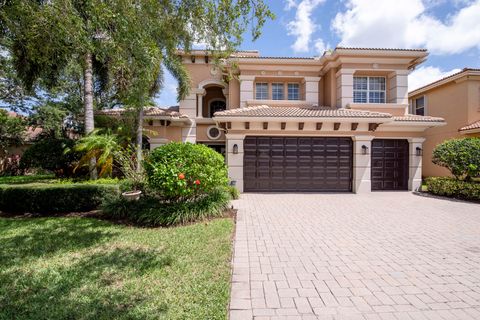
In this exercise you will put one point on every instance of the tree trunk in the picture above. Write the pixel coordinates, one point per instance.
(88, 104)
(139, 139)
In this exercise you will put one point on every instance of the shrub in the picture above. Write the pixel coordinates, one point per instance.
(234, 193)
(460, 156)
(53, 198)
(152, 211)
(181, 171)
(449, 187)
(49, 154)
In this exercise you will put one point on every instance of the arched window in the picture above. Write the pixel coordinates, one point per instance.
(216, 105)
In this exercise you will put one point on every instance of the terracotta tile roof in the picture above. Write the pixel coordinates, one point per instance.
(150, 111)
(271, 57)
(415, 118)
(299, 112)
(471, 126)
(464, 70)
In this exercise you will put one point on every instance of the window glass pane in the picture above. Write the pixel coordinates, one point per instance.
(261, 91)
(376, 83)
(360, 83)
(376, 97)
(360, 97)
(217, 106)
(277, 91)
(293, 91)
(420, 106)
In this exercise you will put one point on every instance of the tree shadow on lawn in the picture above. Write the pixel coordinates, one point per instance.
(23, 240)
(105, 284)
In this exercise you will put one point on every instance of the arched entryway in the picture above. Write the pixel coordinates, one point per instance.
(214, 100)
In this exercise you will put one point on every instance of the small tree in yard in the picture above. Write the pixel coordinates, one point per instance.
(120, 44)
(460, 156)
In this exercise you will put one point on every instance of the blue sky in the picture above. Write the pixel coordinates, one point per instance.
(449, 29)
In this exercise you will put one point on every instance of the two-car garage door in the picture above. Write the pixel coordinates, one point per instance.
(279, 164)
(297, 164)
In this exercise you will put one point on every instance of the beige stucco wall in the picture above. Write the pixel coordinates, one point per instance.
(170, 133)
(202, 134)
(451, 102)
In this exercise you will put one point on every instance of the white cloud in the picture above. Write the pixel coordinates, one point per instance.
(320, 46)
(302, 27)
(425, 75)
(392, 23)
(289, 4)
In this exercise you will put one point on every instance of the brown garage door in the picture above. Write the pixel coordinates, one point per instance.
(389, 164)
(297, 164)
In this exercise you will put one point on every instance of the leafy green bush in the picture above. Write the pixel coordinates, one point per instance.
(26, 179)
(49, 154)
(53, 198)
(152, 211)
(449, 187)
(182, 171)
(460, 156)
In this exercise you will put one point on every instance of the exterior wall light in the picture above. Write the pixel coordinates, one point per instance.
(235, 149)
(364, 149)
(419, 152)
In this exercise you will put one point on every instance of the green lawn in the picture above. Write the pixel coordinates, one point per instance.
(82, 268)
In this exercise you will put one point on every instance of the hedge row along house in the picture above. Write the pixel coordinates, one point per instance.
(455, 98)
(335, 123)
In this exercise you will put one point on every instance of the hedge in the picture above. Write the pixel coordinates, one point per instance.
(454, 188)
(53, 198)
(152, 211)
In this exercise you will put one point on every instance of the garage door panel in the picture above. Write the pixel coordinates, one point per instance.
(389, 169)
(298, 164)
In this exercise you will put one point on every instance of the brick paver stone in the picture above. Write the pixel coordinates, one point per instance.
(386, 255)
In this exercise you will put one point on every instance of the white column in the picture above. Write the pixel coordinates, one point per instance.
(235, 161)
(227, 100)
(362, 164)
(415, 164)
(246, 89)
(398, 87)
(200, 95)
(311, 89)
(344, 87)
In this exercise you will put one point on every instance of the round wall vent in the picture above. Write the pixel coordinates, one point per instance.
(213, 132)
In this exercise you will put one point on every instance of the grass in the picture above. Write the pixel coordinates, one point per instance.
(83, 268)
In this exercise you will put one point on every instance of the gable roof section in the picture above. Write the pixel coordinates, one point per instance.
(148, 112)
(445, 80)
(470, 127)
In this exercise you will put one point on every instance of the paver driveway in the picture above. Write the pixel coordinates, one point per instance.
(346, 256)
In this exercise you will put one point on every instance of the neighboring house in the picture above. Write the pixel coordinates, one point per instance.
(456, 99)
(336, 123)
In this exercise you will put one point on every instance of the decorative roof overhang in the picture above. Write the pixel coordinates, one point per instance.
(153, 113)
(311, 117)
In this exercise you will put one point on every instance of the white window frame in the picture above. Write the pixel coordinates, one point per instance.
(288, 91)
(368, 91)
(414, 105)
(282, 85)
(256, 90)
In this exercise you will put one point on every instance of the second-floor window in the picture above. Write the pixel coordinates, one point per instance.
(277, 91)
(293, 91)
(261, 91)
(419, 106)
(369, 89)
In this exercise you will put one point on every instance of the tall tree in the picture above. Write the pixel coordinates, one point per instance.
(121, 44)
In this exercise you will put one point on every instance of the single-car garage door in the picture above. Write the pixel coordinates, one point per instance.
(389, 164)
(297, 164)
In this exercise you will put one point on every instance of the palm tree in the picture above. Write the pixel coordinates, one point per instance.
(102, 147)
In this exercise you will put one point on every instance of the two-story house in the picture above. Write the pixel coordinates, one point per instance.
(456, 99)
(336, 123)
